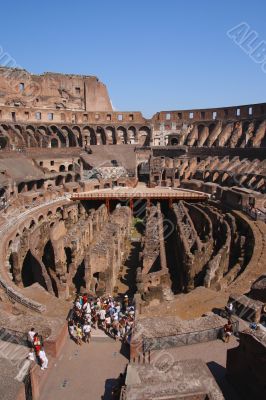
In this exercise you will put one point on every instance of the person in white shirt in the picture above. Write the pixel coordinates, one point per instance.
(44, 359)
(87, 332)
(87, 308)
(31, 334)
(31, 356)
(102, 317)
(108, 324)
(78, 305)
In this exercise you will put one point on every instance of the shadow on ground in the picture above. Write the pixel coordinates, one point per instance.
(219, 373)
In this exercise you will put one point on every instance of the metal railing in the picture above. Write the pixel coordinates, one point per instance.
(185, 339)
(13, 336)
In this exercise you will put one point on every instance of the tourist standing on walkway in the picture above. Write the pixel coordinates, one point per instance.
(228, 330)
(79, 334)
(37, 343)
(87, 332)
(43, 359)
(31, 335)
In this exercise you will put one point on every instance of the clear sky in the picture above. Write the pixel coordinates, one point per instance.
(152, 54)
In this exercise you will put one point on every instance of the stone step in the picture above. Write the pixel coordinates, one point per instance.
(98, 335)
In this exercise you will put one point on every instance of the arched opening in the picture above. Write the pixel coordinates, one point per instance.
(32, 271)
(132, 135)
(21, 187)
(32, 224)
(100, 131)
(70, 167)
(59, 134)
(48, 259)
(143, 172)
(174, 141)
(68, 253)
(77, 134)
(59, 180)
(30, 185)
(79, 278)
(11, 264)
(77, 177)
(62, 168)
(122, 134)
(3, 142)
(54, 142)
(110, 134)
(144, 136)
(211, 128)
(90, 136)
(69, 178)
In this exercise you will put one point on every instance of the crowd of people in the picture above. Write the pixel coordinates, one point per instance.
(115, 317)
(37, 352)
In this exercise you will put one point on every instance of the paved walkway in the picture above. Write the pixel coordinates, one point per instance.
(89, 372)
(85, 372)
(213, 353)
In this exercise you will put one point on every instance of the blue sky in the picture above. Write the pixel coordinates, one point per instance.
(152, 55)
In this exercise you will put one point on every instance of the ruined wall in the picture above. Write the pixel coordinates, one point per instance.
(52, 91)
(153, 280)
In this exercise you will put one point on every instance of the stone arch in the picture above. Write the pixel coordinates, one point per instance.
(40, 218)
(215, 176)
(174, 141)
(77, 132)
(211, 127)
(21, 187)
(62, 168)
(101, 135)
(68, 132)
(132, 135)
(89, 135)
(144, 136)
(60, 134)
(69, 178)
(111, 134)
(122, 135)
(59, 180)
(32, 224)
(4, 141)
(41, 134)
(31, 271)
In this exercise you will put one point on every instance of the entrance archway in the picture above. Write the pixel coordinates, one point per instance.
(32, 271)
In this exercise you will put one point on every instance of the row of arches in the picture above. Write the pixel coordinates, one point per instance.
(42, 184)
(71, 136)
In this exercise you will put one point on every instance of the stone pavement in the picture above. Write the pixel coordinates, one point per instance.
(213, 353)
(88, 372)
(85, 372)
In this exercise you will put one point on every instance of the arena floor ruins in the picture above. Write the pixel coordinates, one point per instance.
(169, 210)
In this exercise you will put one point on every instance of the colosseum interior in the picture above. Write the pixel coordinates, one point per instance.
(169, 210)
